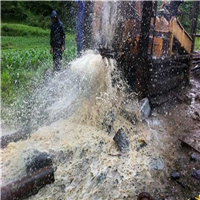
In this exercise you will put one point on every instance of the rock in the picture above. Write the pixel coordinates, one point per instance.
(181, 183)
(169, 198)
(129, 111)
(109, 121)
(196, 73)
(196, 174)
(143, 144)
(175, 175)
(144, 196)
(38, 161)
(101, 177)
(196, 116)
(122, 140)
(157, 164)
(194, 157)
(145, 109)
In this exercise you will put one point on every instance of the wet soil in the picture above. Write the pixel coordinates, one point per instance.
(182, 121)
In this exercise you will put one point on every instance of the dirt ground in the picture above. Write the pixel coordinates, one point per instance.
(182, 121)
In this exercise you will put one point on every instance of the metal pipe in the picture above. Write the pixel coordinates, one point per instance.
(28, 185)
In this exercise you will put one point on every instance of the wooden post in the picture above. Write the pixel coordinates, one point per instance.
(193, 26)
(141, 60)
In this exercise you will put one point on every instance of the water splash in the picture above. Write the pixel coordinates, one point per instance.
(65, 92)
(104, 23)
(68, 113)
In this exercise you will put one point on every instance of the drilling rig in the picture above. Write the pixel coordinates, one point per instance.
(152, 48)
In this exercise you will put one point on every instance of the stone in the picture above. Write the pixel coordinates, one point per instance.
(38, 161)
(196, 174)
(157, 164)
(196, 72)
(142, 145)
(175, 175)
(128, 111)
(194, 157)
(121, 140)
(144, 196)
(145, 109)
(109, 121)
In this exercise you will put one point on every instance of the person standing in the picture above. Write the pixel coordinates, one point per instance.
(57, 40)
(80, 27)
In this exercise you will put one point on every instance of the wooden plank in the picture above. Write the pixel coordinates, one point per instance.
(171, 39)
(161, 25)
(181, 35)
(157, 46)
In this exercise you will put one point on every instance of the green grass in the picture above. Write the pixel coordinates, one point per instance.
(22, 43)
(25, 59)
(197, 44)
(20, 69)
(8, 29)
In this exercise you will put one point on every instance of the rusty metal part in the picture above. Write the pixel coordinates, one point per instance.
(141, 60)
(181, 34)
(107, 53)
(14, 137)
(184, 143)
(29, 185)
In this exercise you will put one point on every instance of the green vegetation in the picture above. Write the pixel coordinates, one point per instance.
(197, 44)
(37, 13)
(24, 60)
(8, 29)
(186, 14)
(9, 43)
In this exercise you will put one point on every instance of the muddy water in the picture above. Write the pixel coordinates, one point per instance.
(86, 160)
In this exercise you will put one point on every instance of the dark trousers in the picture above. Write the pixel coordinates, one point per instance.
(57, 58)
(79, 47)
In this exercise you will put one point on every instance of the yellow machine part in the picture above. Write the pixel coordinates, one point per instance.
(180, 34)
(157, 46)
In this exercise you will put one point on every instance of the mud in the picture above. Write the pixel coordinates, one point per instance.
(181, 121)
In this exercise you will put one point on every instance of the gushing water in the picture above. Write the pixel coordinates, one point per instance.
(68, 114)
(104, 23)
(70, 111)
(59, 95)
